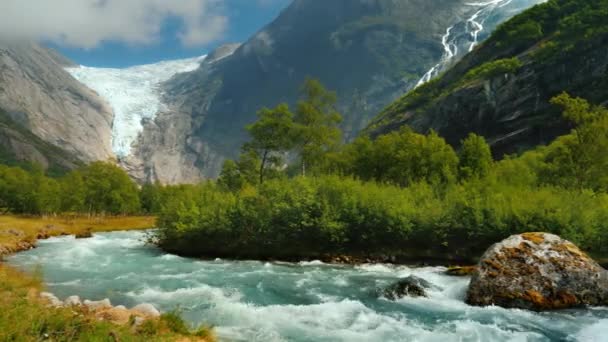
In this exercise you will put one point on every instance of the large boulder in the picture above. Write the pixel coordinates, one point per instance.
(407, 287)
(538, 271)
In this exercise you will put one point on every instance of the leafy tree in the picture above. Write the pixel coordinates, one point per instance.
(475, 158)
(150, 197)
(72, 192)
(273, 133)
(108, 189)
(316, 123)
(580, 160)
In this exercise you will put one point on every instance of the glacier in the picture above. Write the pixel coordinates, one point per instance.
(134, 94)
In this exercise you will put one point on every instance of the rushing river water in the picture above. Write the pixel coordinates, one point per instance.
(256, 301)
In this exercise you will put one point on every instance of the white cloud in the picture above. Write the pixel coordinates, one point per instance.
(87, 23)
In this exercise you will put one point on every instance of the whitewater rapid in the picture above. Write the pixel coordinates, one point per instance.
(308, 301)
(133, 93)
(463, 37)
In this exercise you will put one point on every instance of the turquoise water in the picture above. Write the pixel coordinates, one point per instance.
(256, 301)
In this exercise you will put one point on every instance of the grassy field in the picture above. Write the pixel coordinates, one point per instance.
(17, 233)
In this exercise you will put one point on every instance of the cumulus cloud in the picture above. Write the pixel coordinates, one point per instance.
(87, 23)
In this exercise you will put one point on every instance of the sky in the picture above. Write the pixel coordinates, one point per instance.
(121, 33)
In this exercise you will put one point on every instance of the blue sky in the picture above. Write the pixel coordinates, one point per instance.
(243, 19)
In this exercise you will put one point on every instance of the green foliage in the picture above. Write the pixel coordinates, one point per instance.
(99, 188)
(580, 159)
(272, 134)
(475, 158)
(492, 69)
(399, 195)
(401, 158)
(312, 217)
(317, 122)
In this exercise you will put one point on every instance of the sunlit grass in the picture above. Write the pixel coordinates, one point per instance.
(15, 229)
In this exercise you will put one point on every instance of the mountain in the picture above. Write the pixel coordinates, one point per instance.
(39, 95)
(502, 89)
(20, 147)
(368, 51)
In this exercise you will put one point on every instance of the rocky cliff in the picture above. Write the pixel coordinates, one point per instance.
(369, 52)
(41, 97)
(19, 147)
(502, 89)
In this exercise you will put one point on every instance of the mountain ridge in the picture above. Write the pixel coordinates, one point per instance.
(550, 51)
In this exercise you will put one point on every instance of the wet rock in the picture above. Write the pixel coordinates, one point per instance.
(51, 299)
(538, 271)
(461, 271)
(72, 301)
(114, 315)
(147, 309)
(87, 233)
(98, 305)
(408, 287)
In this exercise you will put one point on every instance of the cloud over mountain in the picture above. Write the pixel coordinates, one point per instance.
(87, 23)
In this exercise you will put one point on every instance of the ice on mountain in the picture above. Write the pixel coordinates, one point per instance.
(133, 93)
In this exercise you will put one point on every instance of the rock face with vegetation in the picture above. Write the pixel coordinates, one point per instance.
(40, 97)
(538, 271)
(502, 90)
(369, 52)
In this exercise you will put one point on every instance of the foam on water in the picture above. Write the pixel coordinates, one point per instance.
(308, 301)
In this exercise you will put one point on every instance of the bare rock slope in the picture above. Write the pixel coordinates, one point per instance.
(39, 95)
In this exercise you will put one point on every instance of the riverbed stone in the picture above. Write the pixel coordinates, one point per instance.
(461, 271)
(538, 271)
(51, 299)
(72, 301)
(98, 305)
(146, 309)
(407, 287)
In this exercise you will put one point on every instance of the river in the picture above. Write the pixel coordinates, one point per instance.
(309, 301)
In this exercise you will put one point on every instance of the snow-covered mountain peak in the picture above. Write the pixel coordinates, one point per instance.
(133, 93)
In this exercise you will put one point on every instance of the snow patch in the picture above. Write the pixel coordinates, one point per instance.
(133, 93)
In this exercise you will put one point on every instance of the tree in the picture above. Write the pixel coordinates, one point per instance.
(108, 189)
(475, 158)
(72, 192)
(317, 124)
(150, 197)
(579, 159)
(272, 133)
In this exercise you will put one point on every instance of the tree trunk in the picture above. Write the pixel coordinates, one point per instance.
(303, 168)
(263, 166)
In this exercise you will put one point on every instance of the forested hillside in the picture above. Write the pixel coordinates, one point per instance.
(502, 89)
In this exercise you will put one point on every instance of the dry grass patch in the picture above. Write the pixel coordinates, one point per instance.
(17, 232)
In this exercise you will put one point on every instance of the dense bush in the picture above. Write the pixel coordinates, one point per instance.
(311, 217)
(99, 188)
(403, 194)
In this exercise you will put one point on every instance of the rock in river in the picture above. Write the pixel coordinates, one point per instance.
(410, 286)
(538, 271)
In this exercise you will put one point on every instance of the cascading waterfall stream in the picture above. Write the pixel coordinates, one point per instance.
(464, 36)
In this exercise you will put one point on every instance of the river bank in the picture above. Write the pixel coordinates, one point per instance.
(22, 294)
(19, 233)
(279, 301)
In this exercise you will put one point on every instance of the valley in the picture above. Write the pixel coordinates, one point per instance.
(345, 170)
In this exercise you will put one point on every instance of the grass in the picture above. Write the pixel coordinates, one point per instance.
(23, 317)
(16, 230)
